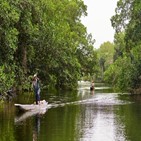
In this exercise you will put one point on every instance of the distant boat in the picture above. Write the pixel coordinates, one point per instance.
(33, 107)
(91, 88)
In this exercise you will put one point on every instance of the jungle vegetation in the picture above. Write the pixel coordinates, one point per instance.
(48, 38)
(44, 37)
(125, 72)
(105, 55)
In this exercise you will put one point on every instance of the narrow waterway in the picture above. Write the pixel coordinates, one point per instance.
(81, 115)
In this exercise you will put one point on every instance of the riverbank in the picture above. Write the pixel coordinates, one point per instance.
(8, 95)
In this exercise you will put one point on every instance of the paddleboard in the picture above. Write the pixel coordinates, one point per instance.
(30, 107)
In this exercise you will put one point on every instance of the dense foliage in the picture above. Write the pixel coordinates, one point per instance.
(105, 57)
(125, 73)
(44, 37)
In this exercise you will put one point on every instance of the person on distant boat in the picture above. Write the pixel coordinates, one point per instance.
(92, 86)
(36, 88)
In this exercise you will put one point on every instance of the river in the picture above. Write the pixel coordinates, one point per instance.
(80, 115)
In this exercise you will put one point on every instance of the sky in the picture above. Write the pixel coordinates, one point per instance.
(98, 20)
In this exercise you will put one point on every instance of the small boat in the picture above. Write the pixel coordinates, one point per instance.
(33, 107)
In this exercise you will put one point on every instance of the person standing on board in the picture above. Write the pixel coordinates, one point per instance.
(92, 86)
(36, 88)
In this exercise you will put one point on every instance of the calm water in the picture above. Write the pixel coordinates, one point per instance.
(75, 116)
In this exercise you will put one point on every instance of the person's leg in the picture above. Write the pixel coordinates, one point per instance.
(39, 96)
(36, 98)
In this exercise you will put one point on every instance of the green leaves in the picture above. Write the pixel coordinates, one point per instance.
(126, 69)
(105, 57)
(60, 36)
(45, 37)
(7, 77)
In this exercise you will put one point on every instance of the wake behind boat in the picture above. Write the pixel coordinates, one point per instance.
(33, 107)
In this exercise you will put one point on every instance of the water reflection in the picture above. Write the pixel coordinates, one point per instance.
(85, 116)
(35, 116)
(24, 115)
(99, 120)
(99, 123)
(36, 129)
(92, 92)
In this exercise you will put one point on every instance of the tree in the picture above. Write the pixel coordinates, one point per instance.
(127, 21)
(105, 56)
(8, 43)
(119, 42)
(45, 37)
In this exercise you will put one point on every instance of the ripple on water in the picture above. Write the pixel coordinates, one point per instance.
(100, 100)
(107, 99)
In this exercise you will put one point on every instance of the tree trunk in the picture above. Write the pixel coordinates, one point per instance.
(24, 59)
